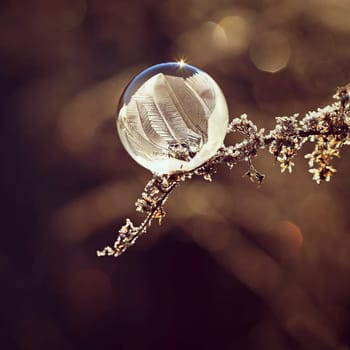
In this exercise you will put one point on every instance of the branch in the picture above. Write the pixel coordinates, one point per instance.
(328, 128)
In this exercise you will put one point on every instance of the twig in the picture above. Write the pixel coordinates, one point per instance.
(328, 128)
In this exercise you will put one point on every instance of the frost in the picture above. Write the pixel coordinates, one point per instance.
(328, 128)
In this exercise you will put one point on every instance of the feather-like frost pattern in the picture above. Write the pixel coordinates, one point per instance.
(191, 108)
(199, 83)
(153, 123)
(137, 137)
(165, 100)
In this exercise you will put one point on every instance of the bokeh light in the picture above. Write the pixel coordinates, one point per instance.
(270, 51)
(236, 32)
(232, 265)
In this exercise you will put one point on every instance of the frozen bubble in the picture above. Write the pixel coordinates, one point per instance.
(172, 118)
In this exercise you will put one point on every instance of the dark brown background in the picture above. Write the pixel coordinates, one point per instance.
(232, 266)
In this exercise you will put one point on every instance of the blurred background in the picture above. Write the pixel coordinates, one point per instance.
(233, 266)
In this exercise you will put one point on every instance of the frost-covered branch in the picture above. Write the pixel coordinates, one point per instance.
(328, 128)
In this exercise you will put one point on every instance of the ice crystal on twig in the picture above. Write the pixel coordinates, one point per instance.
(286, 141)
(151, 202)
(328, 128)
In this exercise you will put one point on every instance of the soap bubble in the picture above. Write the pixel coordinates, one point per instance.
(172, 118)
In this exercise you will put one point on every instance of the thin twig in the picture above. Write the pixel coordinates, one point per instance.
(129, 233)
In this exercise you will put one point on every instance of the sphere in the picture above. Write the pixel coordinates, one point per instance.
(172, 118)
